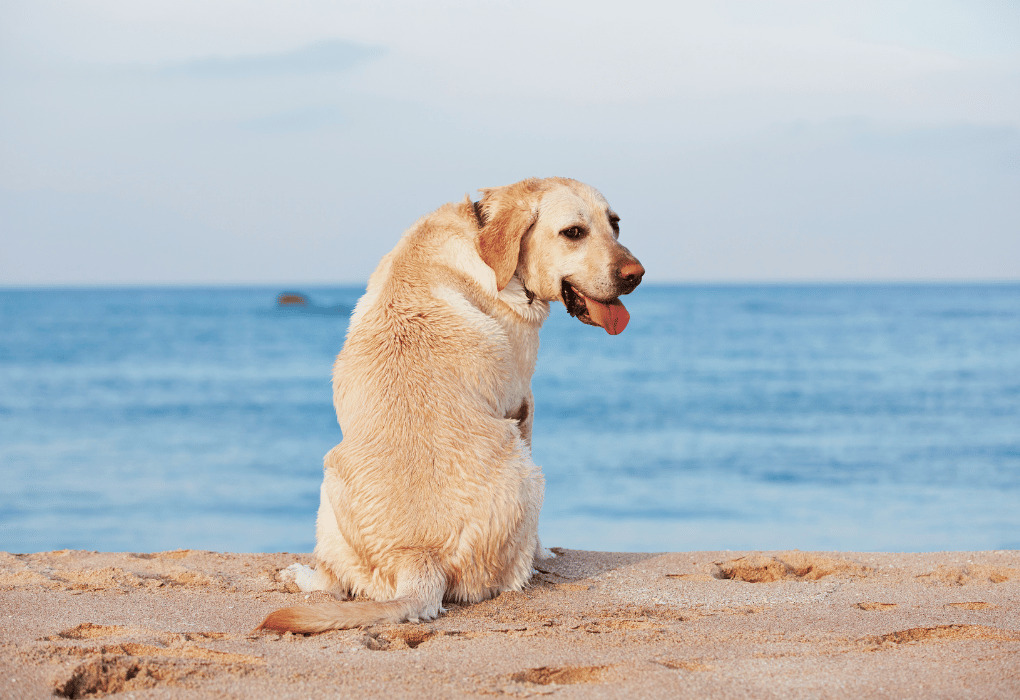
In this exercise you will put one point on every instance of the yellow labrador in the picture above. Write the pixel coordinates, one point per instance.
(432, 495)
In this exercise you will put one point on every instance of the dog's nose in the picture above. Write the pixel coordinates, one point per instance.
(631, 273)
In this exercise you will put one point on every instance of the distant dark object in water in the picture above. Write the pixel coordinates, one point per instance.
(297, 303)
(291, 299)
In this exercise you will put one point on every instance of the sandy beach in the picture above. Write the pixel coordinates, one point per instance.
(594, 624)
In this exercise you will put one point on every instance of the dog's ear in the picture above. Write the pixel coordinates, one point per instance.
(506, 214)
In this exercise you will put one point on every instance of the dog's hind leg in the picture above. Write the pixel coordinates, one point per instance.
(419, 598)
(426, 583)
(308, 579)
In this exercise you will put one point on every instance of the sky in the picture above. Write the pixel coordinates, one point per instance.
(257, 142)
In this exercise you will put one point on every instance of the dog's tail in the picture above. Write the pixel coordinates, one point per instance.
(419, 599)
(340, 616)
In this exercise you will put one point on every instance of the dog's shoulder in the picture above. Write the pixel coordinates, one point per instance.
(435, 263)
(435, 282)
(440, 248)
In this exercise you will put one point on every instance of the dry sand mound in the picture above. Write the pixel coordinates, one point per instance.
(800, 566)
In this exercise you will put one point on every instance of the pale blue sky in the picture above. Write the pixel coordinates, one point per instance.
(292, 142)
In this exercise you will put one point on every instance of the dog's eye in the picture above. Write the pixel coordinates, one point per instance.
(573, 233)
(614, 221)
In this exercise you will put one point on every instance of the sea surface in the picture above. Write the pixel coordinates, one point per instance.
(817, 417)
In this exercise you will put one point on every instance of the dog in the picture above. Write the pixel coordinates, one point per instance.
(431, 495)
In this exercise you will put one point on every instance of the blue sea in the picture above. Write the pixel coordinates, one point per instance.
(818, 417)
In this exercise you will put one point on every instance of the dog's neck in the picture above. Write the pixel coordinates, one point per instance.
(523, 301)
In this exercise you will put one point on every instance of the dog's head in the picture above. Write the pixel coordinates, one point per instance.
(559, 236)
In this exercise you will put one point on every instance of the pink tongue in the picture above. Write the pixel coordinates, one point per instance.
(612, 316)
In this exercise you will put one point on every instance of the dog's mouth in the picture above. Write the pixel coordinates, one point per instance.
(611, 315)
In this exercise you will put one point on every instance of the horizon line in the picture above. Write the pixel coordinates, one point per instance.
(296, 286)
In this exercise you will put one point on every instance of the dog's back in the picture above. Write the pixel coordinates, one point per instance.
(422, 394)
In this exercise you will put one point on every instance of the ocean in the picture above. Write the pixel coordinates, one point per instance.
(817, 417)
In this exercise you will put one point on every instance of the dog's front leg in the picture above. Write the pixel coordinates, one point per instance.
(525, 417)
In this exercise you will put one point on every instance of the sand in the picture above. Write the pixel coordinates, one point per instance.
(594, 624)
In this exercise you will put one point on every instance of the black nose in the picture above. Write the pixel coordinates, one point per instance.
(630, 274)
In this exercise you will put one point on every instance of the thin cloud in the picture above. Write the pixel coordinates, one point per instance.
(330, 56)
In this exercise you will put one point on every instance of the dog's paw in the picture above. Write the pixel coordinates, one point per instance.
(543, 553)
(427, 615)
(291, 573)
(304, 577)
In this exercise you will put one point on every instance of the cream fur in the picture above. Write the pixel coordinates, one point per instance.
(432, 494)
